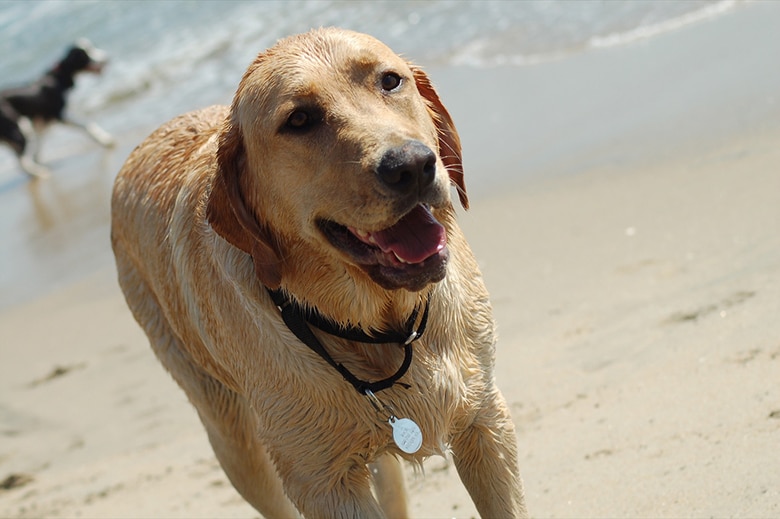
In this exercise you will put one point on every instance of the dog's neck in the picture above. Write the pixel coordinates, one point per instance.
(65, 79)
(300, 320)
(346, 294)
(410, 331)
(371, 313)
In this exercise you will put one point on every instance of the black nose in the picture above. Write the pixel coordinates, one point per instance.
(407, 168)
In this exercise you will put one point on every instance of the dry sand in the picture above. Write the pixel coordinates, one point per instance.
(637, 304)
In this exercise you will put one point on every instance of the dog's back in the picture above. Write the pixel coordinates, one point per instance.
(42, 102)
(148, 198)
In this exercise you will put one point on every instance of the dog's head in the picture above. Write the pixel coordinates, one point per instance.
(82, 56)
(339, 153)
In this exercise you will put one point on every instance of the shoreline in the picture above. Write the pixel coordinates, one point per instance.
(619, 107)
(696, 88)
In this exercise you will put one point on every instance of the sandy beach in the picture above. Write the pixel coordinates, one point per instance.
(633, 260)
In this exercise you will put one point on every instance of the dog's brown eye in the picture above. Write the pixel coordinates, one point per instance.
(298, 119)
(390, 81)
(303, 119)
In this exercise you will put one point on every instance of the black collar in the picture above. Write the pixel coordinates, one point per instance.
(298, 320)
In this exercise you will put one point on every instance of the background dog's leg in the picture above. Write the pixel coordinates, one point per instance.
(32, 168)
(21, 145)
(486, 458)
(92, 129)
(389, 486)
(39, 128)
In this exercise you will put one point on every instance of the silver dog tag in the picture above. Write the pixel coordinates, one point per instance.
(406, 434)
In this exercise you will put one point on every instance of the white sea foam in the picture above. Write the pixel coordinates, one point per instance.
(173, 56)
(648, 31)
(568, 33)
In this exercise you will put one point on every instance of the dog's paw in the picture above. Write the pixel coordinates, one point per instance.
(34, 169)
(101, 136)
(109, 142)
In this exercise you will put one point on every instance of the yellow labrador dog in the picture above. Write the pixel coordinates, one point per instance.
(295, 262)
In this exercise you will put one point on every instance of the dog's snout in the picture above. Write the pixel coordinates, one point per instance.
(407, 168)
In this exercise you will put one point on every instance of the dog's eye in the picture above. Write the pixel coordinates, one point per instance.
(390, 81)
(298, 119)
(302, 119)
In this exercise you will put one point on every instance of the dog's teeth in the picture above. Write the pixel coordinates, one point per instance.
(364, 235)
(400, 259)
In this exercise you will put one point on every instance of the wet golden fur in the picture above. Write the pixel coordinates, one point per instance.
(220, 203)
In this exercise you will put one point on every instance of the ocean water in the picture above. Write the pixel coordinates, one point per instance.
(168, 57)
(172, 56)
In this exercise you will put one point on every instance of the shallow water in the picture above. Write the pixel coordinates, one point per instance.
(170, 57)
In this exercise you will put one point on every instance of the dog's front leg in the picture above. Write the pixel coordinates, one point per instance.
(321, 492)
(26, 144)
(485, 455)
(388, 477)
(92, 129)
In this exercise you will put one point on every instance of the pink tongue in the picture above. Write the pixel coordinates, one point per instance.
(416, 237)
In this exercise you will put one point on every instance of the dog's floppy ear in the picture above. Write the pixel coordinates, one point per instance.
(449, 141)
(228, 214)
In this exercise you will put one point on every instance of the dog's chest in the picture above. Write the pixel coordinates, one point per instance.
(434, 399)
(304, 397)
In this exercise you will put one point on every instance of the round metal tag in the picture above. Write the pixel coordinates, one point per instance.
(406, 434)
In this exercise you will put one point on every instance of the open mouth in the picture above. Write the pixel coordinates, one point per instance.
(96, 67)
(409, 254)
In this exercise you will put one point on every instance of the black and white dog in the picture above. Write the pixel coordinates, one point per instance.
(26, 111)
